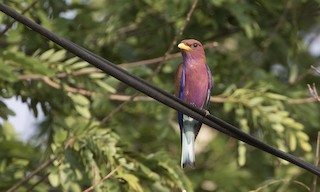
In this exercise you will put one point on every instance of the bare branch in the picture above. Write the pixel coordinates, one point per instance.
(117, 97)
(119, 107)
(213, 99)
(128, 97)
(55, 85)
(165, 57)
(152, 61)
(33, 173)
(101, 181)
(301, 101)
(314, 92)
(316, 69)
(13, 21)
(38, 182)
(280, 22)
(315, 178)
(136, 97)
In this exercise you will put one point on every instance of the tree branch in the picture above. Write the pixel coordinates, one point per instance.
(9, 25)
(315, 68)
(152, 61)
(315, 178)
(55, 85)
(33, 173)
(136, 97)
(165, 57)
(101, 181)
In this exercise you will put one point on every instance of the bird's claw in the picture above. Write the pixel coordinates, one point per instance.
(206, 113)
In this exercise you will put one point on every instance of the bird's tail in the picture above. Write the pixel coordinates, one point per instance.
(187, 139)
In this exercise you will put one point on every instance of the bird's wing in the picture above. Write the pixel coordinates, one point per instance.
(210, 85)
(179, 89)
(178, 82)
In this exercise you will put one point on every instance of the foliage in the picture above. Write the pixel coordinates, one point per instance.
(261, 69)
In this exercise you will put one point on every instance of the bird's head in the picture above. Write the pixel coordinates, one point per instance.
(191, 48)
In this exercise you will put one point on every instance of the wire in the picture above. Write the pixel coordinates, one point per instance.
(156, 93)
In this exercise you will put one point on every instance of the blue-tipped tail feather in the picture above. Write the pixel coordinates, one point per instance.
(187, 156)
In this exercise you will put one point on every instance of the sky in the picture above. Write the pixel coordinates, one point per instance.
(24, 121)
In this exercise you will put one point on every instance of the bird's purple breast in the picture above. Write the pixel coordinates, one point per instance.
(196, 85)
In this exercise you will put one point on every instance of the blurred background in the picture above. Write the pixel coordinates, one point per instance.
(65, 126)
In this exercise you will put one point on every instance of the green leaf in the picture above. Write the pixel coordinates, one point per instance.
(8, 130)
(297, 126)
(274, 117)
(31, 64)
(294, 72)
(71, 60)
(54, 179)
(302, 135)
(79, 99)
(46, 55)
(244, 125)
(278, 127)
(152, 175)
(98, 75)
(305, 145)
(227, 107)
(105, 86)
(60, 136)
(242, 154)
(83, 111)
(276, 96)
(281, 145)
(283, 113)
(292, 142)
(255, 101)
(132, 180)
(288, 121)
(57, 56)
(79, 65)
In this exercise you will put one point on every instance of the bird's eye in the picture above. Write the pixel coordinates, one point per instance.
(195, 45)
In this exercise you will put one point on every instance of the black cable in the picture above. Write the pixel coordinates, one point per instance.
(157, 93)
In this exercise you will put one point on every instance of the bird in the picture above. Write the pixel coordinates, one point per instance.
(193, 84)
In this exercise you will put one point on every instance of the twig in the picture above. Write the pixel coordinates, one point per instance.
(136, 97)
(282, 18)
(33, 173)
(281, 181)
(79, 72)
(271, 36)
(214, 99)
(38, 182)
(87, 71)
(301, 77)
(305, 74)
(167, 53)
(314, 92)
(118, 97)
(116, 110)
(55, 85)
(149, 61)
(316, 69)
(13, 21)
(315, 178)
(301, 101)
(175, 39)
(102, 180)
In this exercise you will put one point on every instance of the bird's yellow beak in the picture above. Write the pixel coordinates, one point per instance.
(184, 46)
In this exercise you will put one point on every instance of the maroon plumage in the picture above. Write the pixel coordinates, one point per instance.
(193, 85)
